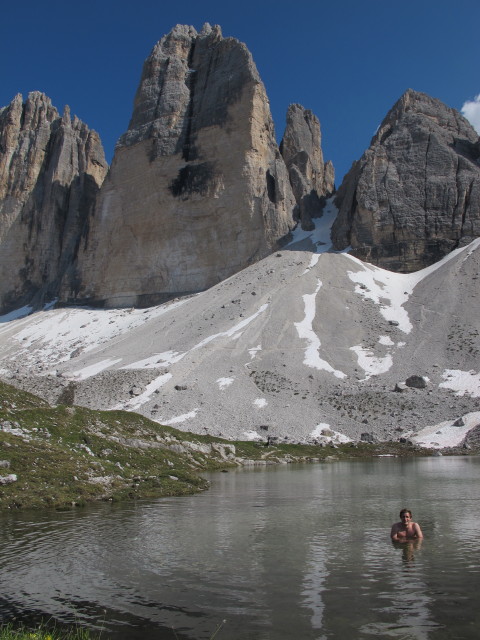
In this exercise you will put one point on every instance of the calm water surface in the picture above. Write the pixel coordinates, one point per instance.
(293, 552)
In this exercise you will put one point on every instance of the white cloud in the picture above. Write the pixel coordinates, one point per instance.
(471, 111)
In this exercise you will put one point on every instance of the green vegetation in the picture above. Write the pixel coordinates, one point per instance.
(66, 456)
(10, 632)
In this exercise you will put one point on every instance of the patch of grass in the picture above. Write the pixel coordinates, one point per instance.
(12, 398)
(43, 632)
(67, 456)
(308, 453)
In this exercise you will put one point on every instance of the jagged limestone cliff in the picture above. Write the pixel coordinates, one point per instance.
(197, 189)
(51, 168)
(310, 178)
(415, 193)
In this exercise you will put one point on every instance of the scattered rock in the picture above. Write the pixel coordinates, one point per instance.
(416, 382)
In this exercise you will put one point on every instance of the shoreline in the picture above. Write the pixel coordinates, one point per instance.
(64, 457)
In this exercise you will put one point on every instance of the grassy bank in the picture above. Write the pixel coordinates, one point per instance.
(65, 456)
(10, 632)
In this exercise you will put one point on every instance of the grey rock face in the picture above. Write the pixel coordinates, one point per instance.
(197, 189)
(311, 179)
(415, 193)
(51, 168)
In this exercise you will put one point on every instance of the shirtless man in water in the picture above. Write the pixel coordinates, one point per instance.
(406, 529)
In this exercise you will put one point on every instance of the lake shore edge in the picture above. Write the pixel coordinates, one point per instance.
(65, 457)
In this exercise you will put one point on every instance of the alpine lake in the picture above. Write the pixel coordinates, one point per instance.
(283, 552)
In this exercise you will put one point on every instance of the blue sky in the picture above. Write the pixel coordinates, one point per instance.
(346, 60)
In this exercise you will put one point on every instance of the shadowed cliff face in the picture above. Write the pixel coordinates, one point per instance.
(197, 188)
(311, 179)
(415, 193)
(50, 171)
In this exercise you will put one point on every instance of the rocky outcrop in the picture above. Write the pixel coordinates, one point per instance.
(51, 168)
(197, 189)
(415, 193)
(310, 178)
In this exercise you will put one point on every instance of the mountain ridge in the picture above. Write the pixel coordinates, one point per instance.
(199, 189)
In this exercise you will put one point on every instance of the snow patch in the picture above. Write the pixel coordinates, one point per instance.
(93, 369)
(392, 290)
(445, 434)
(144, 397)
(182, 418)
(320, 236)
(461, 382)
(231, 332)
(305, 331)
(156, 361)
(17, 314)
(313, 261)
(223, 383)
(372, 365)
(388, 290)
(386, 340)
(260, 403)
(326, 435)
(52, 336)
(253, 352)
(473, 246)
(252, 435)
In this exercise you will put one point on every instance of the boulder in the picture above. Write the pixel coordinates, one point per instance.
(415, 193)
(416, 382)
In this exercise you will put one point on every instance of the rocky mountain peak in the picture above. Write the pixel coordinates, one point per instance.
(415, 193)
(311, 179)
(174, 80)
(207, 29)
(198, 189)
(50, 171)
(419, 109)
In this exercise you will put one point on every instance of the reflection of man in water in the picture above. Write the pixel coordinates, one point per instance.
(408, 548)
(406, 529)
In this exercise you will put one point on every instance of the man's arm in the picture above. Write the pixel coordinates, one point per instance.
(418, 531)
(394, 532)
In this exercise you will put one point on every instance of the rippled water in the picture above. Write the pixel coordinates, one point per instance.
(293, 552)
